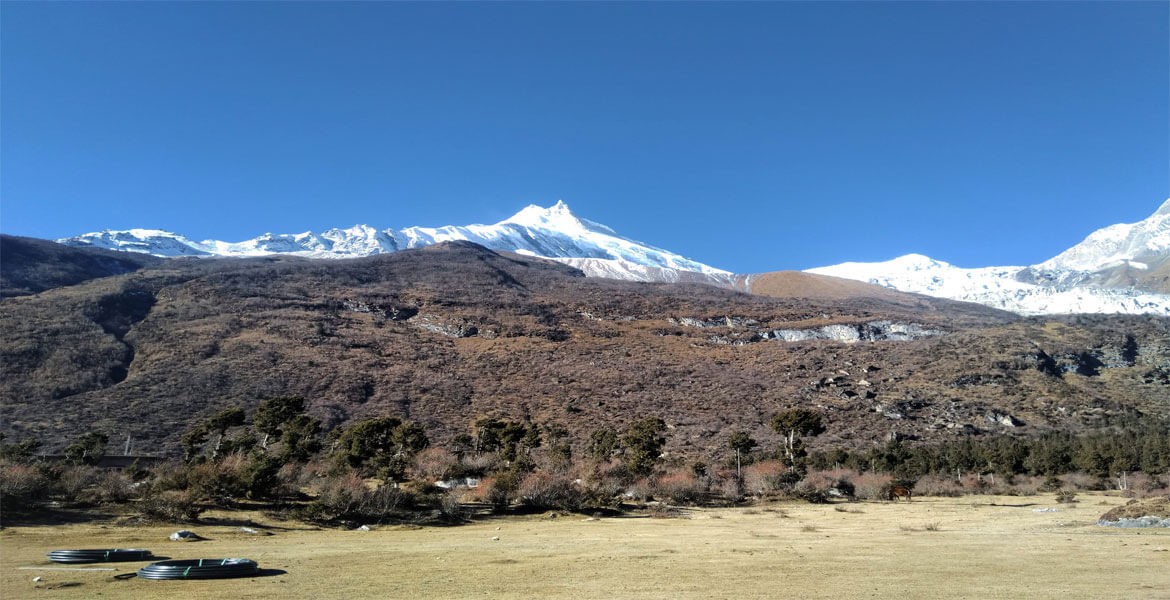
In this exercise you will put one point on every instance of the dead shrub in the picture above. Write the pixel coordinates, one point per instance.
(23, 487)
(543, 491)
(680, 487)
(219, 483)
(1148, 485)
(437, 464)
(872, 486)
(347, 499)
(827, 484)
(1084, 482)
(499, 490)
(768, 477)
(938, 485)
(110, 487)
(171, 506)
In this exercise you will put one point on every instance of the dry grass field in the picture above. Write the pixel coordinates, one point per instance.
(969, 547)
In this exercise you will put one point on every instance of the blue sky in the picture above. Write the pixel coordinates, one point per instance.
(752, 137)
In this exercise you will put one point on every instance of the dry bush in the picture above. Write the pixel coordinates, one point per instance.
(543, 490)
(872, 486)
(480, 464)
(727, 488)
(599, 483)
(1027, 485)
(639, 491)
(1149, 485)
(987, 484)
(767, 477)
(347, 499)
(833, 483)
(72, 480)
(938, 485)
(23, 487)
(680, 487)
(110, 487)
(498, 490)
(221, 482)
(436, 464)
(1084, 482)
(171, 506)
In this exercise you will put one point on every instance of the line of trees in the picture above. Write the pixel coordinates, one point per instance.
(280, 449)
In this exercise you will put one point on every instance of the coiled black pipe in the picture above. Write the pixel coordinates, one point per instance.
(202, 568)
(103, 555)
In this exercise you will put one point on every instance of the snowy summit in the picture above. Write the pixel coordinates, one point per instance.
(554, 233)
(1114, 270)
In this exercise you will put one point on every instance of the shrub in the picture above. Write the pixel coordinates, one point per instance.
(810, 492)
(938, 485)
(872, 486)
(542, 490)
(170, 505)
(436, 464)
(768, 477)
(348, 499)
(680, 487)
(1085, 482)
(1051, 483)
(109, 487)
(499, 490)
(826, 484)
(219, 483)
(23, 487)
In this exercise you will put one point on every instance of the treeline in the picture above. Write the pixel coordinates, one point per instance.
(1143, 447)
(385, 469)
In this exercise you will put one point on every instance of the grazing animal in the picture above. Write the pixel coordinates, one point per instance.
(899, 491)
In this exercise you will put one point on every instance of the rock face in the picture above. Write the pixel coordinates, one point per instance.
(872, 331)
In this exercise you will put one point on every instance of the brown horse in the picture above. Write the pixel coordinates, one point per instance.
(899, 491)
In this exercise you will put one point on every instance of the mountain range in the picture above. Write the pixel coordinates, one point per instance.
(1123, 268)
(144, 348)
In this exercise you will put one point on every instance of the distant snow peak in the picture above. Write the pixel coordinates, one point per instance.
(553, 232)
(1060, 285)
(557, 217)
(1117, 244)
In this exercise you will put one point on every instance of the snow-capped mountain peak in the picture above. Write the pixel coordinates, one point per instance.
(1078, 280)
(1117, 244)
(553, 232)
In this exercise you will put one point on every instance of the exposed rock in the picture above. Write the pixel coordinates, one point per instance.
(1004, 419)
(869, 332)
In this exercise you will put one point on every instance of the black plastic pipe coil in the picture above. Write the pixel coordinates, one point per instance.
(202, 568)
(103, 555)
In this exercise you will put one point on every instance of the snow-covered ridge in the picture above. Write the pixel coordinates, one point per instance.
(1060, 285)
(1117, 244)
(553, 232)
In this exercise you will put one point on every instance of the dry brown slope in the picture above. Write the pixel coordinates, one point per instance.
(447, 333)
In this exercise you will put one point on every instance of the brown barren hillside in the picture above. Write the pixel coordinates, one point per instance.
(447, 333)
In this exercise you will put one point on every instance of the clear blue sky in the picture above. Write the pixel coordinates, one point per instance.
(752, 137)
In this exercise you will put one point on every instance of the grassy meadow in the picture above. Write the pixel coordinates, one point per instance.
(965, 547)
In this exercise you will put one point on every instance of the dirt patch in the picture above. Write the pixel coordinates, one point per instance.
(1158, 508)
